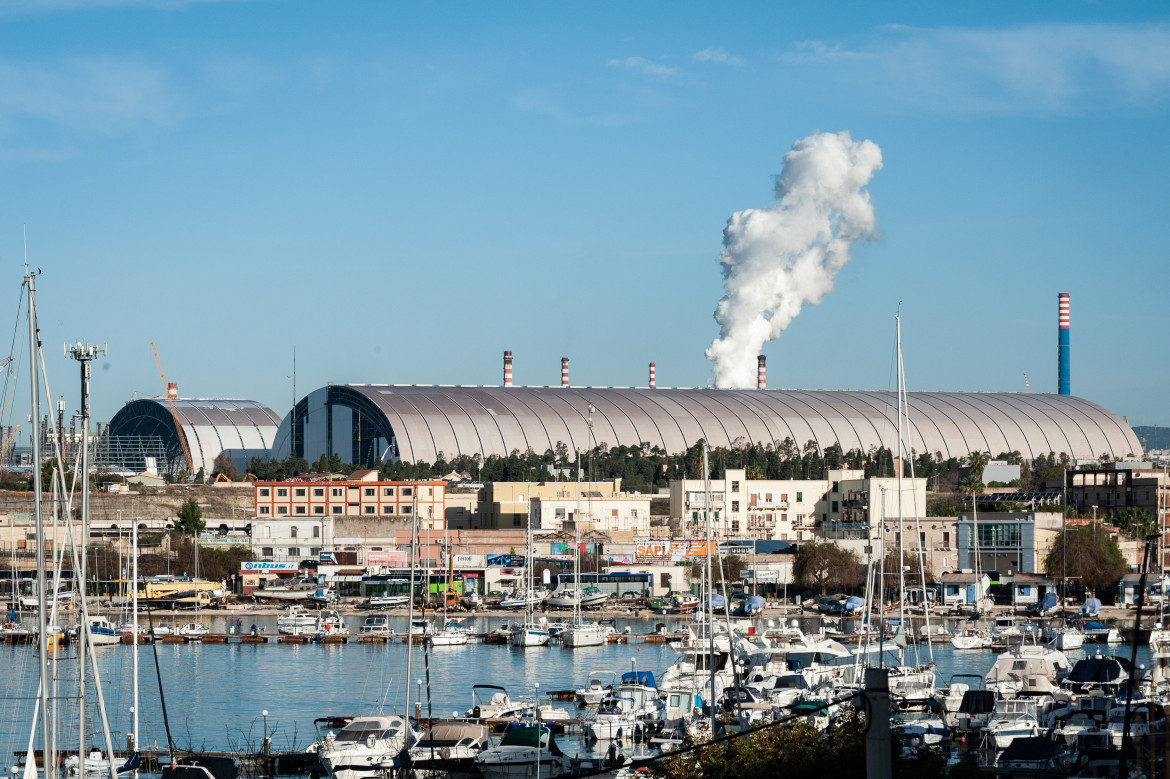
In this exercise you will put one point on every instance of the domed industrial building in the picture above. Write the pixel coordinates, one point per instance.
(145, 428)
(369, 423)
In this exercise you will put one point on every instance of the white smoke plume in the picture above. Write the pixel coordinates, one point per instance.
(777, 259)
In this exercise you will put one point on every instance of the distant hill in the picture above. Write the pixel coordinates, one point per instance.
(1153, 437)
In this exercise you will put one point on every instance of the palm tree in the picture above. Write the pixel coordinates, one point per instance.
(977, 461)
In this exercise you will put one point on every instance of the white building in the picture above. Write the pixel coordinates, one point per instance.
(624, 513)
(845, 506)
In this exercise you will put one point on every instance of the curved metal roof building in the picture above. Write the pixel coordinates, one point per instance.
(367, 423)
(242, 428)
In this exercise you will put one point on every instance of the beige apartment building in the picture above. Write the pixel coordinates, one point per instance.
(360, 495)
(504, 505)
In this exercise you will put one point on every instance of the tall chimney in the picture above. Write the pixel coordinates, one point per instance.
(507, 369)
(172, 390)
(651, 375)
(1063, 370)
(564, 371)
(762, 377)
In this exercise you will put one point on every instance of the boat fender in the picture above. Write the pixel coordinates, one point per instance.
(476, 713)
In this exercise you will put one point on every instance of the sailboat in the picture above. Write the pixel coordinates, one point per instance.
(909, 683)
(452, 633)
(580, 633)
(530, 633)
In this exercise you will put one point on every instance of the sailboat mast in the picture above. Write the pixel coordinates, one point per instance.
(577, 549)
(42, 600)
(710, 585)
(134, 624)
(410, 611)
(901, 524)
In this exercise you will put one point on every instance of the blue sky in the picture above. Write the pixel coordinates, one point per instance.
(403, 190)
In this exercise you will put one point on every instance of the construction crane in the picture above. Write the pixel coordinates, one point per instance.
(174, 412)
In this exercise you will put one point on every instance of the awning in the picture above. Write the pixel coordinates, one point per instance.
(344, 577)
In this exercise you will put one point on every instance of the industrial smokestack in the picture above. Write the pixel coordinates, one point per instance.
(1063, 370)
(651, 375)
(564, 371)
(173, 391)
(761, 373)
(507, 369)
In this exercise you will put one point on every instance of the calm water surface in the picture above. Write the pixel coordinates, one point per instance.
(215, 693)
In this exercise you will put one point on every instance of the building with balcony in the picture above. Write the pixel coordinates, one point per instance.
(362, 495)
(771, 509)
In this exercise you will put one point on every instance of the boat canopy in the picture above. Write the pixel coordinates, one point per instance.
(1030, 750)
(1049, 601)
(532, 736)
(1091, 606)
(1095, 670)
(977, 702)
(644, 678)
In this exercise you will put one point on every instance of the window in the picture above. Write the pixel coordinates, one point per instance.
(1025, 590)
(387, 509)
(282, 492)
(300, 510)
(264, 510)
(282, 509)
(299, 492)
(318, 509)
(407, 492)
(799, 497)
(634, 513)
(316, 532)
(559, 513)
(388, 492)
(613, 512)
(735, 505)
(371, 509)
(292, 531)
(335, 492)
(836, 486)
(370, 492)
(337, 509)
(946, 539)
(516, 520)
(314, 551)
(735, 526)
(266, 551)
(735, 486)
(406, 509)
(264, 492)
(318, 492)
(834, 509)
(922, 540)
(294, 551)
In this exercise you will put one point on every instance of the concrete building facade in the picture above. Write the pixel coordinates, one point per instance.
(360, 495)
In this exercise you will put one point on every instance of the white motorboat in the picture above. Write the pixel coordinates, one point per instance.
(295, 589)
(1027, 669)
(497, 705)
(375, 625)
(102, 632)
(525, 751)
(366, 747)
(388, 601)
(1013, 718)
(595, 691)
(193, 629)
(330, 623)
(296, 621)
(162, 629)
(1098, 633)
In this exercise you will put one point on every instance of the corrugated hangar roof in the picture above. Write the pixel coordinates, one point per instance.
(242, 428)
(365, 423)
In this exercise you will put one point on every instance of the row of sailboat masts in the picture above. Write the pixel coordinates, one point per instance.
(84, 354)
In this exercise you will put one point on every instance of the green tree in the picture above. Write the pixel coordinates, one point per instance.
(821, 564)
(190, 518)
(1089, 555)
(223, 464)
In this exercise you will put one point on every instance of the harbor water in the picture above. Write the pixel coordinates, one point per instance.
(216, 694)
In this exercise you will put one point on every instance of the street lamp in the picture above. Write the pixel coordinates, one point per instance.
(267, 746)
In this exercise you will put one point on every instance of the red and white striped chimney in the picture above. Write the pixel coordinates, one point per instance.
(762, 375)
(564, 371)
(507, 369)
(173, 391)
(651, 375)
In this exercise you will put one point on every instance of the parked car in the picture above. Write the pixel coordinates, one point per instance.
(832, 604)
